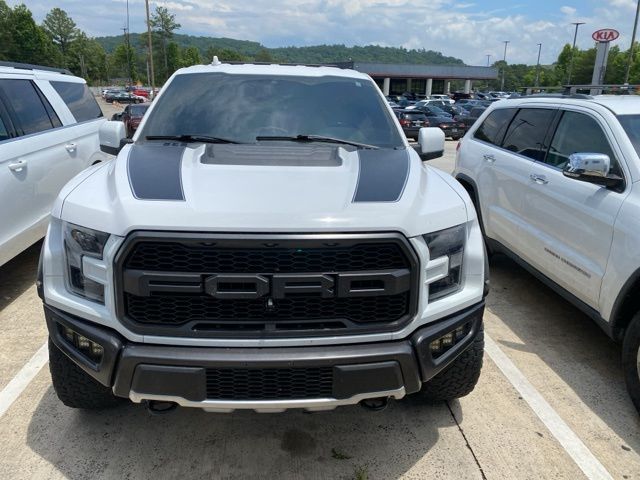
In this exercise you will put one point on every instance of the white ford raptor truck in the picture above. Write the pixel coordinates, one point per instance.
(267, 240)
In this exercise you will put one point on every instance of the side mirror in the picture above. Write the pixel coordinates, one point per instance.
(592, 168)
(431, 143)
(111, 135)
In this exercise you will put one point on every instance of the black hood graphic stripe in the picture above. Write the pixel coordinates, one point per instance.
(383, 175)
(155, 171)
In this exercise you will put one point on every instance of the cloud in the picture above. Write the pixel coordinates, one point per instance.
(458, 28)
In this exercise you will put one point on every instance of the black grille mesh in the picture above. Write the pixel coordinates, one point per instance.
(269, 383)
(180, 257)
(181, 309)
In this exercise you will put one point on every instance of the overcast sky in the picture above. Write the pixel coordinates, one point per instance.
(466, 29)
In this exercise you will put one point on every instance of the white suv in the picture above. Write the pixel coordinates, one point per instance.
(49, 124)
(555, 183)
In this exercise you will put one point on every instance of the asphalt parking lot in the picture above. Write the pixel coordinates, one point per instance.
(551, 403)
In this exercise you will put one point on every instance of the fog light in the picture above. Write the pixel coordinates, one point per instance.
(90, 349)
(447, 341)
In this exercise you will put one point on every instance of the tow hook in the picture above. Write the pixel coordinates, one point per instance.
(375, 404)
(159, 407)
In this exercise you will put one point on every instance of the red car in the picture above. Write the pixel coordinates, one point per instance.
(132, 116)
(141, 91)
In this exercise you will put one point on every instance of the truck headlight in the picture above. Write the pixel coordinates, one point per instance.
(446, 252)
(78, 243)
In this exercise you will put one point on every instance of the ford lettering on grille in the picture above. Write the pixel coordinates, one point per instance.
(277, 286)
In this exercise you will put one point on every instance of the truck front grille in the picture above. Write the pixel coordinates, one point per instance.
(202, 285)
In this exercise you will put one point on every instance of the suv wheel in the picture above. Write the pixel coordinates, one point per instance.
(74, 387)
(459, 378)
(631, 359)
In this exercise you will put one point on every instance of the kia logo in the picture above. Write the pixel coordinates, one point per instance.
(605, 35)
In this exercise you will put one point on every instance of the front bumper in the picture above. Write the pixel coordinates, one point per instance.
(180, 374)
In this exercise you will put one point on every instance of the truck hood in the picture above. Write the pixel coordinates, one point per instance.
(271, 187)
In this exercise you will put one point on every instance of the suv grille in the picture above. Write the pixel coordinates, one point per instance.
(165, 284)
(269, 383)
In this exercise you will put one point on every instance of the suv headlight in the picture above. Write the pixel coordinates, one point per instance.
(78, 243)
(446, 252)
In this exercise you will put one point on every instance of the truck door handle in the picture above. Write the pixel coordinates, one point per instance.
(539, 179)
(489, 158)
(18, 166)
(71, 147)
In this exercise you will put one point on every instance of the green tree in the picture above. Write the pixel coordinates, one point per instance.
(174, 58)
(29, 43)
(60, 28)
(191, 56)
(164, 24)
(120, 62)
(264, 56)
(224, 55)
(87, 58)
(6, 39)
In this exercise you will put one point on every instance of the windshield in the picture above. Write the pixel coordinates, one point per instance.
(138, 110)
(631, 125)
(243, 107)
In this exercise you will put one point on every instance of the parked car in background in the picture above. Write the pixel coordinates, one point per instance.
(556, 186)
(141, 92)
(49, 123)
(442, 97)
(132, 116)
(411, 122)
(438, 118)
(472, 117)
(124, 97)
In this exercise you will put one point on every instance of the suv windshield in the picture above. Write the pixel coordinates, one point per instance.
(631, 125)
(243, 107)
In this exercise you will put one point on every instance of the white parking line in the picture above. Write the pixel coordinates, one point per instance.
(16, 386)
(571, 443)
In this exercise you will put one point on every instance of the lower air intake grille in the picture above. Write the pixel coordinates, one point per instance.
(269, 384)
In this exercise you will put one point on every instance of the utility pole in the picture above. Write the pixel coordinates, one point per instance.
(125, 31)
(153, 78)
(488, 59)
(504, 66)
(538, 66)
(633, 41)
(573, 50)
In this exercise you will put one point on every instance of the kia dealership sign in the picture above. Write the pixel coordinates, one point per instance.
(605, 35)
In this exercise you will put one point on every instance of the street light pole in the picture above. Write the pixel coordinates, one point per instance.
(488, 59)
(504, 66)
(538, 66)
(573, 50)
(633, 41)
(153, 78)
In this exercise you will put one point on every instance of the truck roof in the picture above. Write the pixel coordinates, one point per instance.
(618, 104)
(274, 69)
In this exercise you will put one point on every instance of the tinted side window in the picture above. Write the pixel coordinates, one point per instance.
(493, 128)
(79, 99)
(4, 132)
(578, 133)
(527, 132)
(28, 104)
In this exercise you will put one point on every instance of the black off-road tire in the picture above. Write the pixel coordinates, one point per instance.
(74, 387)
(630, 359)
(459, 378)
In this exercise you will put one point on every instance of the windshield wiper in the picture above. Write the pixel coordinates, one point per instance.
(315, 138)
(191, 138)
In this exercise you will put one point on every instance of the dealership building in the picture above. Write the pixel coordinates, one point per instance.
(396, 79)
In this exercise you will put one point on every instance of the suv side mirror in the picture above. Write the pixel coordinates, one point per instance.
(111, 135)
(431, 143)
(592, 168)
